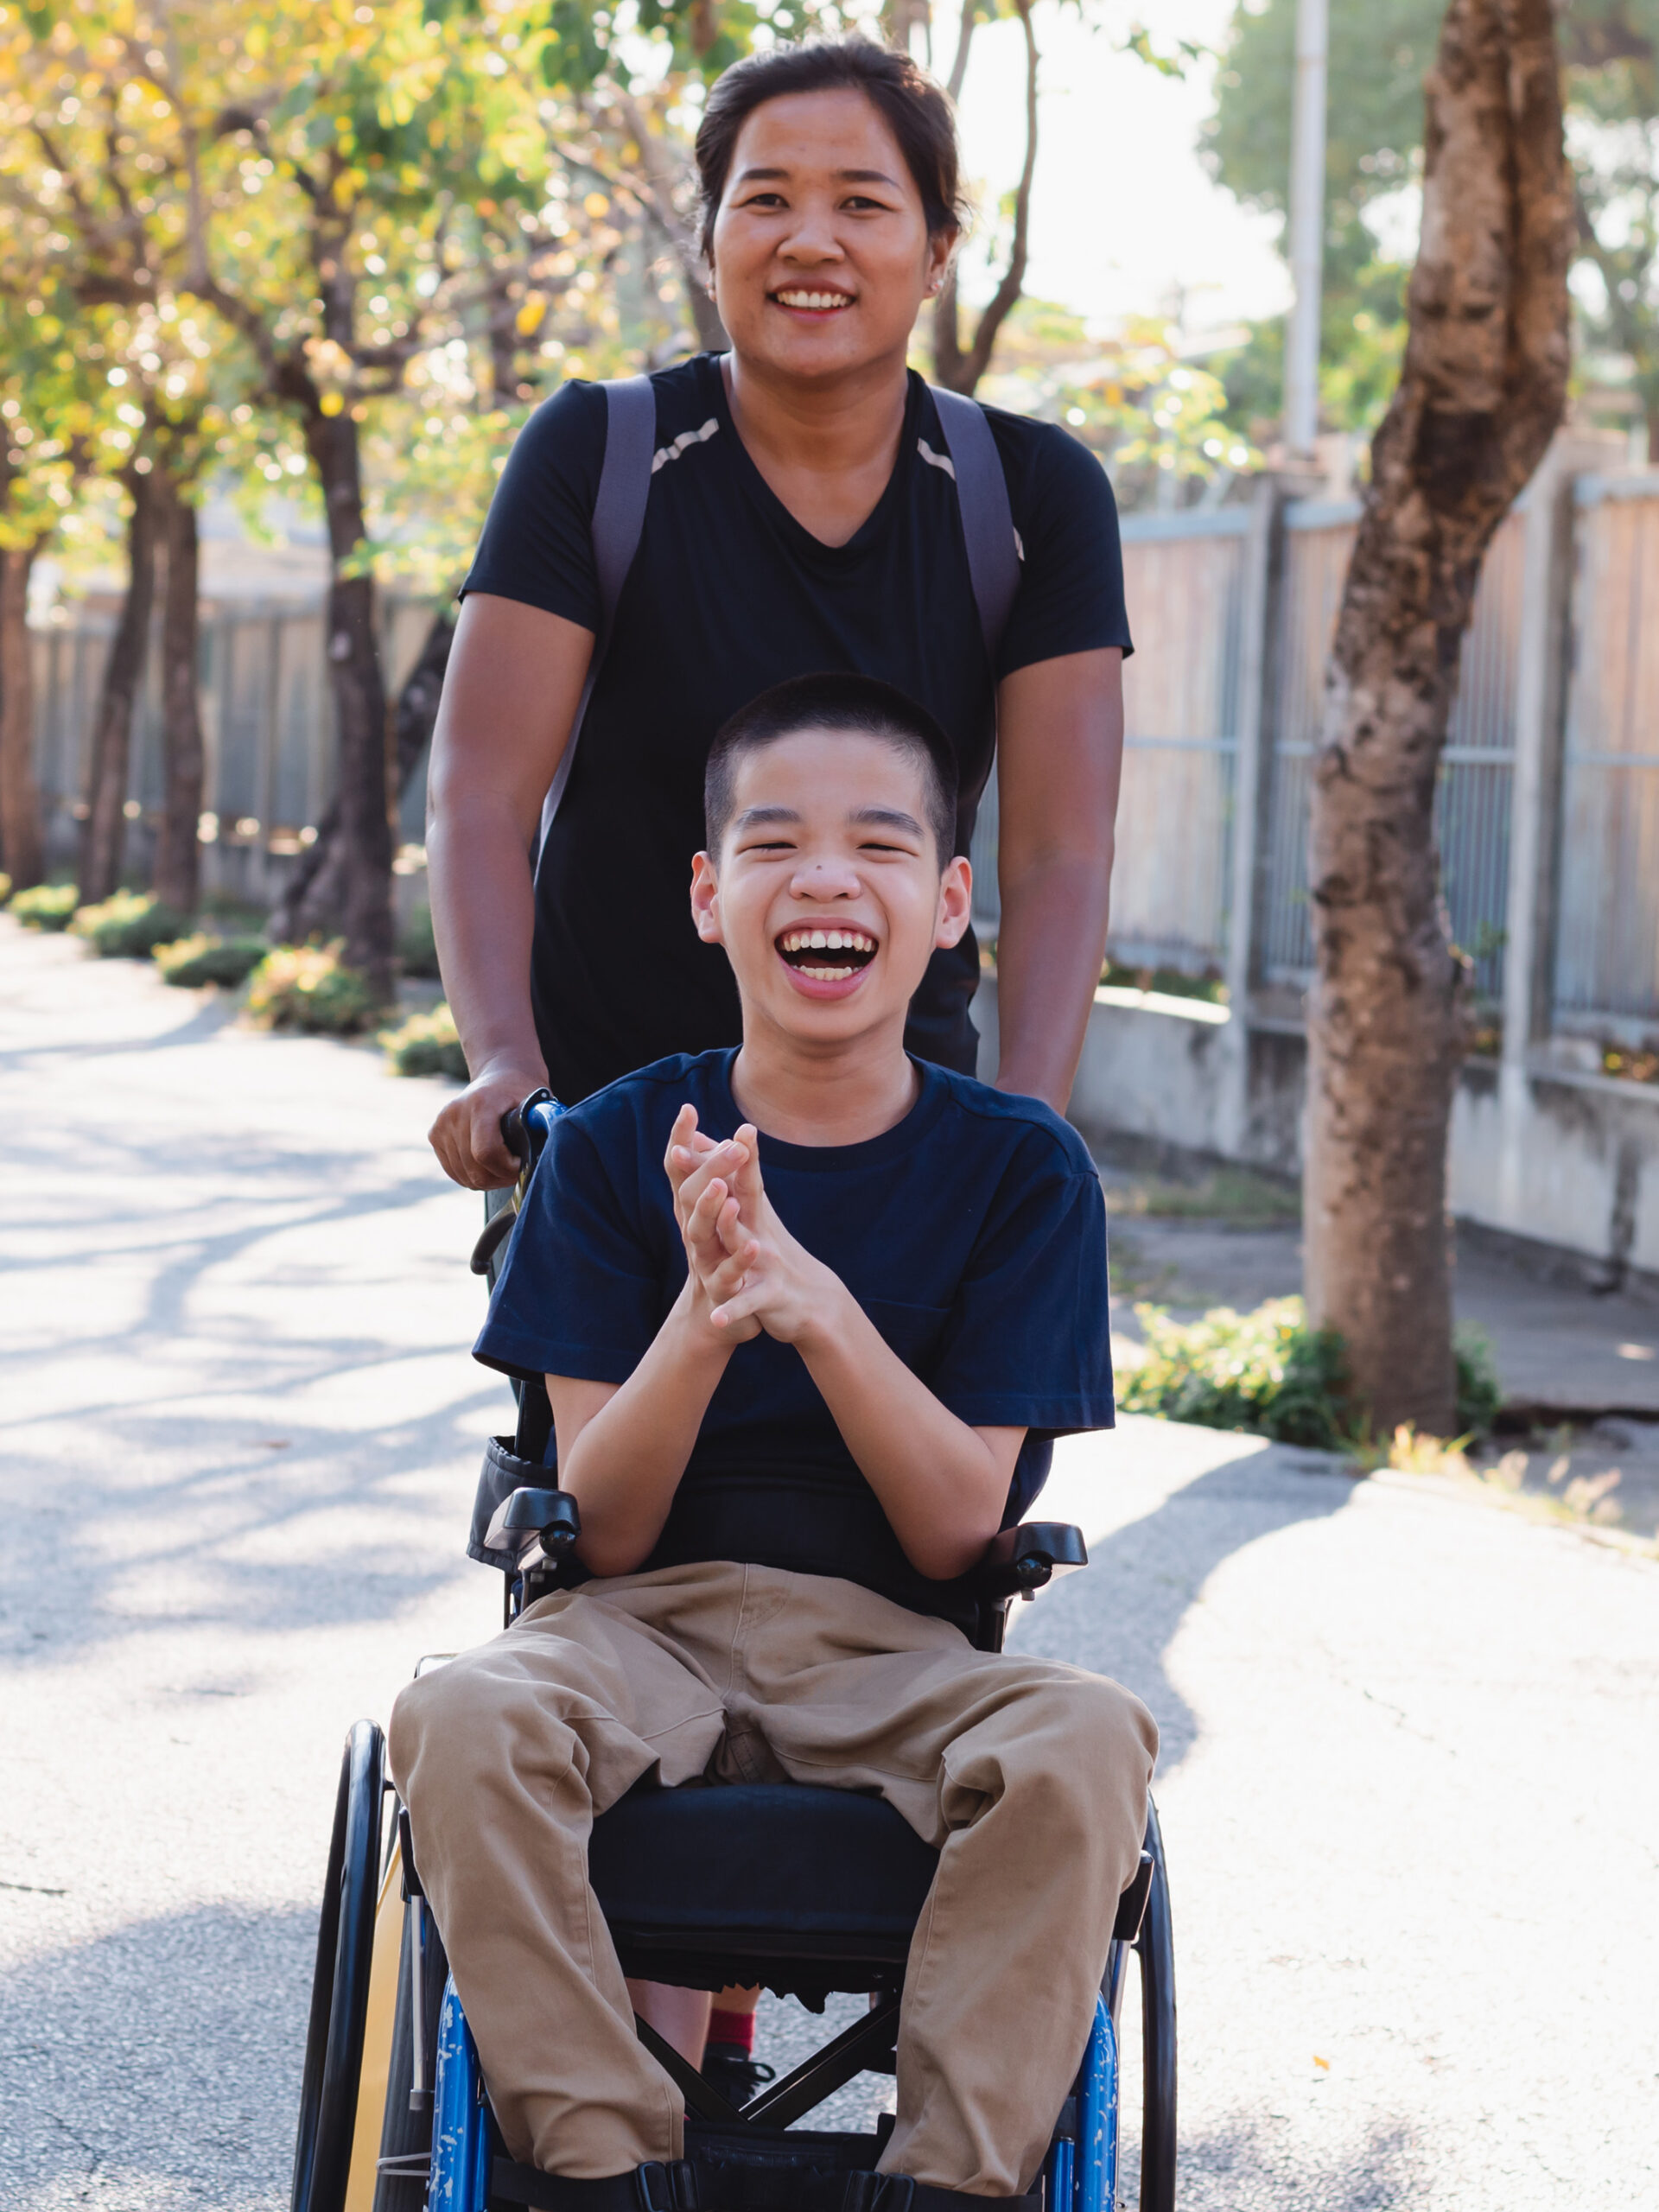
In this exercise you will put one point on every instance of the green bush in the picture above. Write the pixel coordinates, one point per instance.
(417, 948)
(308, 986)
(1265, 1371)
(1479, 1392)
(129, 926)
(426, 1044)
(227, 961)
(47, 906)
(5, 887)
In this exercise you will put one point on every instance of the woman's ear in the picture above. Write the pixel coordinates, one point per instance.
(705, 899)
(956, 902)
(941, 252)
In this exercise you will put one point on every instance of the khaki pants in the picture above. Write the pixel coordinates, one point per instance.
(1030, 1777)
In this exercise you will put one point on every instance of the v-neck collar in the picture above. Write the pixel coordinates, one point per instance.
(797, 535)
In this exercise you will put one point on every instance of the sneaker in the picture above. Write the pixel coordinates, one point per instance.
(728, 2067)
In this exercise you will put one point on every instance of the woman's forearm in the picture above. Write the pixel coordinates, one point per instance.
(1050, 945)
(626, 1464)
(483, 919)
(940, 1484)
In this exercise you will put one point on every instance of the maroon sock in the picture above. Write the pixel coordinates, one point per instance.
(732, 2031)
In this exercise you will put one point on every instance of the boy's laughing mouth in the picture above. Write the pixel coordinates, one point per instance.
(833, 959)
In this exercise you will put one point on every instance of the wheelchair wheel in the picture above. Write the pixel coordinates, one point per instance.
(406, 2131)
(1155, 1948)
(340, 1986)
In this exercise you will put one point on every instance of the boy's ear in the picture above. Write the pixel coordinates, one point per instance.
(705, 899)
(956, 901)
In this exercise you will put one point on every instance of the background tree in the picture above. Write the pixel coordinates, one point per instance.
(1480, 394)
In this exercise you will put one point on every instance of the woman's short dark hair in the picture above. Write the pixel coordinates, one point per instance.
(846, 704)
(915, 109)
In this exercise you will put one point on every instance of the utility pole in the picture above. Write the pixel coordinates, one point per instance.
(1307, 230)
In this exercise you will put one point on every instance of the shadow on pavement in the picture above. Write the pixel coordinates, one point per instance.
(1120, 1616)
(1264, 2166)
(158, 2065)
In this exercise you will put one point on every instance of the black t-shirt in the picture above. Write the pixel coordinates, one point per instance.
(727, 595)
(973, 1233)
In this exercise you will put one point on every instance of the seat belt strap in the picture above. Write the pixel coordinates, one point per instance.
(987, 518)
(619, 519)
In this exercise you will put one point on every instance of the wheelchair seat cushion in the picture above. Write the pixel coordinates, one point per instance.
(786, 1868)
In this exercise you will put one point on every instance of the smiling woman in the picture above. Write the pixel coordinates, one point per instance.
(803, 516)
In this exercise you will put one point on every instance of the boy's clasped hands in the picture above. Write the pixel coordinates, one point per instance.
(745, 1271)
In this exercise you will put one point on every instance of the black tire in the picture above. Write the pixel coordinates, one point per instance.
(1155, 1946)
(406, 2133)
(340, 1986)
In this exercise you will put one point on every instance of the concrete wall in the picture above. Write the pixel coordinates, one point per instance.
(1550, 1154)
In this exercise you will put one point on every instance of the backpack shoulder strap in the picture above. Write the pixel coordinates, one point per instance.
(987, 518)
(618, 519)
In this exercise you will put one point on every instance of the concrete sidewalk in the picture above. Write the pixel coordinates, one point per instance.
(1407, 1783)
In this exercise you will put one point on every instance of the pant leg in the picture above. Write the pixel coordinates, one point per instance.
(503, 1757)
(1031, 1777)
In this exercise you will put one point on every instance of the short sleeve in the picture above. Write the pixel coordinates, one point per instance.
(1070, 594)
(537, 541)
(580, 1292)
(1028, 1344)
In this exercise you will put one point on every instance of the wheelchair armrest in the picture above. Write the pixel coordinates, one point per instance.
(528, 1518)
(1020, 1561)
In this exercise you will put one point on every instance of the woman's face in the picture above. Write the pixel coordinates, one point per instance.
(821, 256)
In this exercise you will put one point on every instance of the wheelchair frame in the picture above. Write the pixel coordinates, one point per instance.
(386, 2018)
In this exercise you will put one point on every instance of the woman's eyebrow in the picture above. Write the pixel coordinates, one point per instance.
(842, 176)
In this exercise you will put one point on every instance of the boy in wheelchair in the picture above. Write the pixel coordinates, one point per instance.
(809, 1314)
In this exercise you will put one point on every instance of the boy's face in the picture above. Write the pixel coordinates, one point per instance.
(828, 839)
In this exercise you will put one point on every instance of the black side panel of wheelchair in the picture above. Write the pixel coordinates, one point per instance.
(815, 1887)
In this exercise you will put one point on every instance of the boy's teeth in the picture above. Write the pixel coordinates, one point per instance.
(828, 941)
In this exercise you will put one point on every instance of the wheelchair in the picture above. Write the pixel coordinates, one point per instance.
(806, 1892)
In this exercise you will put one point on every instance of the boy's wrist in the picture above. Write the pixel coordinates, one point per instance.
(696, 1337)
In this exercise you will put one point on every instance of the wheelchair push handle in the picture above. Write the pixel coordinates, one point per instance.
(521, 1141)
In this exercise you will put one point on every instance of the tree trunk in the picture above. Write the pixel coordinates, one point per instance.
(1481, 393)
(353, 890)
(22, 846)
(104, 829)
(413, 720)
(177, 879)
(417, 710)
(957, 368)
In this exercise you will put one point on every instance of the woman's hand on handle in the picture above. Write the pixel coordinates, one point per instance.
(466, 1135)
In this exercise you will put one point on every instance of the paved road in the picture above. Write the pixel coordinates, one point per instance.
(1410, 1788)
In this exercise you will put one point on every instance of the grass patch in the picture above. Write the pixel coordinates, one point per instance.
(1232, 1194)
(47, 906)
(191, 962)
(426, 1044)
(1267, 1372)
(1175, 982)
(127, 926)
(308, 988)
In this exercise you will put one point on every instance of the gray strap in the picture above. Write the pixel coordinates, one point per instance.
(987, 518)
(619, 517)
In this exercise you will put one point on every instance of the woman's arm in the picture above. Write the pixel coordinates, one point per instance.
(510, 695)
(1059, 756)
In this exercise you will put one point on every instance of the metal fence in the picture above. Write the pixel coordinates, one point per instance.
(268, 724)
(1607, 935)
(1472, 804)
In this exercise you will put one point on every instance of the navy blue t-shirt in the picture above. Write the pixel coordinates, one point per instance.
(727, 595)
(973, 1233)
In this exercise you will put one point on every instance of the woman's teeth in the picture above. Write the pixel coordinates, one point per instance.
(813, 299)
(795, 943)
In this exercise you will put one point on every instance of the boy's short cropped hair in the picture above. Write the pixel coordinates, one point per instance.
(845, 704)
